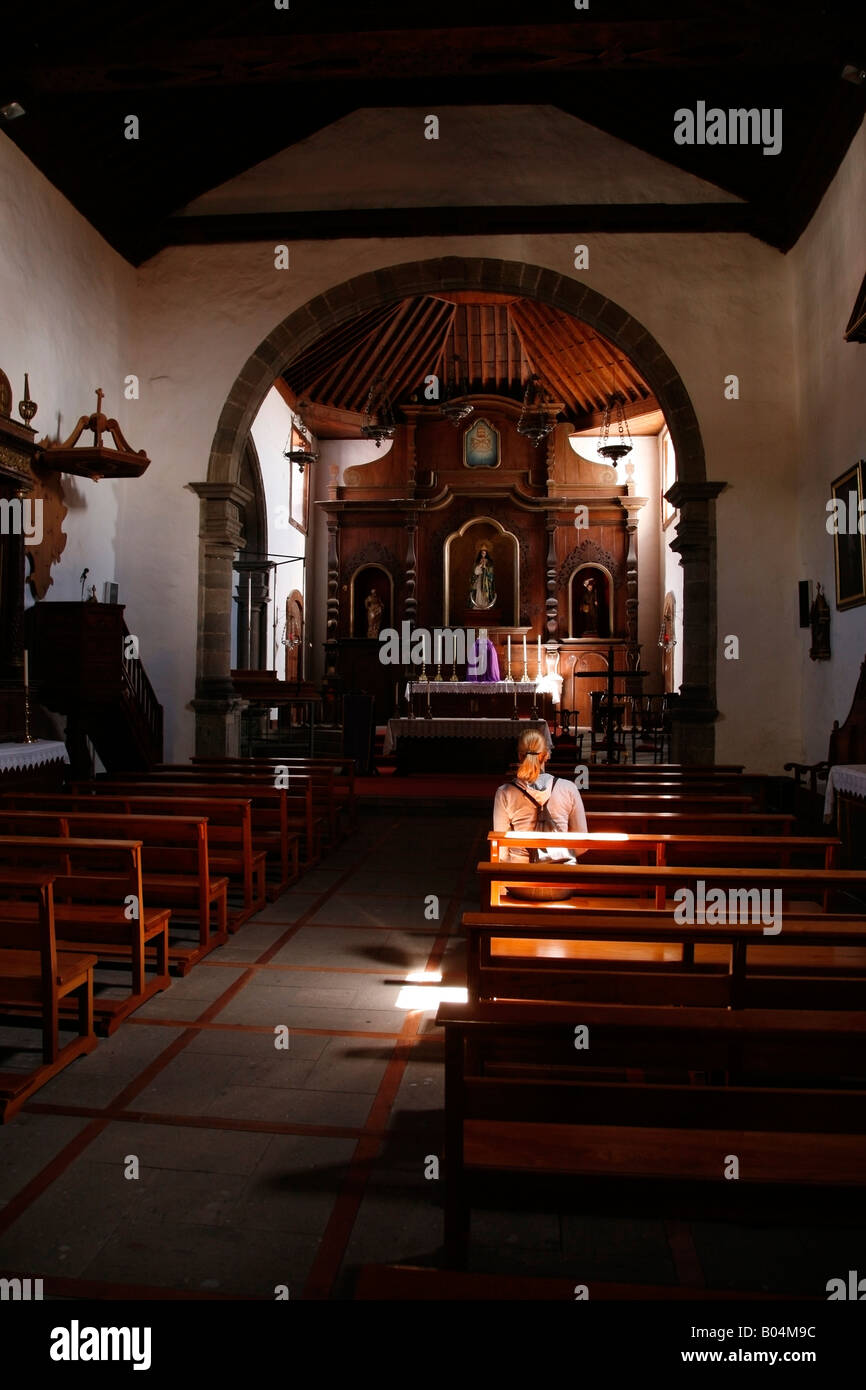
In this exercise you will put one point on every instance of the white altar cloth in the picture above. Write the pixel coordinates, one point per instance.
(845, 777)
(449, 687)
(15, 756)
(460, 728)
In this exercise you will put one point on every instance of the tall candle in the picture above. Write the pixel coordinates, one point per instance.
(509, 651)
(437, 642)
(538, 672)
(26, 670)
(524, 651)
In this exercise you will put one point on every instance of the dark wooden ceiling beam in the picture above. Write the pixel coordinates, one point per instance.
(516, 219)
(472, 51)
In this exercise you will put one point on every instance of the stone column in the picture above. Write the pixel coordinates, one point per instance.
(217, 707)
(693, 736)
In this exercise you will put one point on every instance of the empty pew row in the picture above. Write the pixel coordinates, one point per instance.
(641, 957)
(340, 770)
(521, 1098)
(36, 981)
(281, 818)
(99, 907)
(230, 836)
(176, 872)
(310, 810)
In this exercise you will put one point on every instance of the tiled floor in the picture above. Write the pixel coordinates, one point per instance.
(189, 1153)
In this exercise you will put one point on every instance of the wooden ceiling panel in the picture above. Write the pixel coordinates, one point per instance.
(499, 345)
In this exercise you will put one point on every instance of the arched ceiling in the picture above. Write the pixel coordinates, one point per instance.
(500, 341)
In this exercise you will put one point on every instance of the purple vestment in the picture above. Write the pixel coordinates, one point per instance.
(478, 670)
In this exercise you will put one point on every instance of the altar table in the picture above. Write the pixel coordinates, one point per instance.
(449, 745)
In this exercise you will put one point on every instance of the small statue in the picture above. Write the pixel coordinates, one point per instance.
(375, 609)
(482, 588)
(819, 618)
(589, 607)
(91, 597)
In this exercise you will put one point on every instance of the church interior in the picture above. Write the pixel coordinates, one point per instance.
(395, 406)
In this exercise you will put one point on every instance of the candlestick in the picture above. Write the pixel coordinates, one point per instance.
(538, 668)
(454, 665)
(26, 669)
(509, 655)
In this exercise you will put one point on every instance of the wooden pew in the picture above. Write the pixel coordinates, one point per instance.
(96, 884)
(305, 814)
(176, 872)
(628, 880)
(230, 844)
(280, 818)
(806, 1140)
(326, 804)
(635, 956)
(343, 770)
(734, 850)
(35, 979)
(682, 801)
(689, 823)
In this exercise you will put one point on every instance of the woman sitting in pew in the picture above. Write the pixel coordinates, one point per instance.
(535, 800)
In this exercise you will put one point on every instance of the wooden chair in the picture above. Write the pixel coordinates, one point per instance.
(96, 881)
(35, 979)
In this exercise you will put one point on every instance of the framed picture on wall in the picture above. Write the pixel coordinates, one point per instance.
(849, 545)
(299, 497)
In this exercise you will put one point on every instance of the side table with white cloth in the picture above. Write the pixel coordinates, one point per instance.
(38, 765)
(845, 800)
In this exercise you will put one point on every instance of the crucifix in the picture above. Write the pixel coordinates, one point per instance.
(610, 722)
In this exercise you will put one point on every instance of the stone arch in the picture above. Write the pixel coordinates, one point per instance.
(692, 494)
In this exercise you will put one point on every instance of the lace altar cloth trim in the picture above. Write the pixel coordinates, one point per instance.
(449, 687)
(460, 728)
(846, 777)
(15, 756)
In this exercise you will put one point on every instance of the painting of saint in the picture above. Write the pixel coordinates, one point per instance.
(482, 588)
(481, 445)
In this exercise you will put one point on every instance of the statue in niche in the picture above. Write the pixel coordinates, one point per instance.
(482, 590)
(589, 607)
(375, 609)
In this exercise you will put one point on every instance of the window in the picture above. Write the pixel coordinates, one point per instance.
(668, 476)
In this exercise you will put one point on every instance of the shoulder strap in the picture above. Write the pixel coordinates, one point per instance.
(535, 803)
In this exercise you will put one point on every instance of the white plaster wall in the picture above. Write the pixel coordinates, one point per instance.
(377, 157)
(270, 431)
(827, 265)
(65, 298)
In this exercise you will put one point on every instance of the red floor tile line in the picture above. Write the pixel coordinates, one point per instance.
(47, 1175)
(685, 1256)
(194, 1024)
(335, 1241)
(341, 926)
(314, 969)
(161, 1117)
